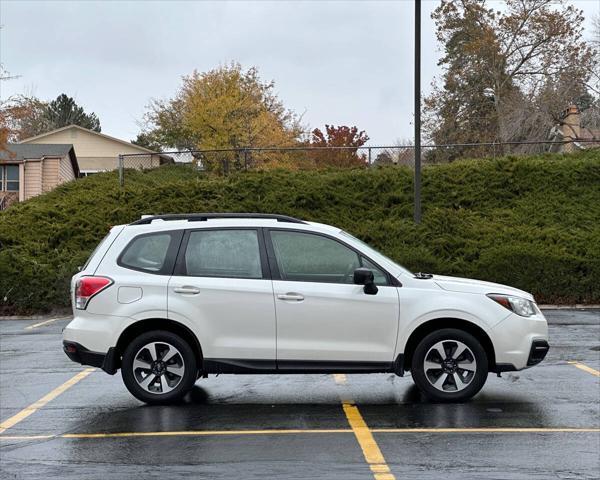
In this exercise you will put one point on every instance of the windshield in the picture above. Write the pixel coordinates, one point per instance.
(371, 250)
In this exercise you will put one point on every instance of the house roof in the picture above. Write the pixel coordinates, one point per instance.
(108, 137)
(20, 151)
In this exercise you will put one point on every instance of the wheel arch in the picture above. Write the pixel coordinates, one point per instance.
(146, 325)
(439, 323)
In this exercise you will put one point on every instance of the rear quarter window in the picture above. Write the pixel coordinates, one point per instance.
(152, 253)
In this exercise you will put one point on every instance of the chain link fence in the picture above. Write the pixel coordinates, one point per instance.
(227, 161)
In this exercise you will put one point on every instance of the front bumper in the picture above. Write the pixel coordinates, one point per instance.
(109, 361)
(539, 349)
(520, 342)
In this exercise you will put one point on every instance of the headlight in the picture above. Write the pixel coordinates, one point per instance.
(521, 306)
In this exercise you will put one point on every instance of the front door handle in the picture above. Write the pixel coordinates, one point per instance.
(291, 296)
(187, 289)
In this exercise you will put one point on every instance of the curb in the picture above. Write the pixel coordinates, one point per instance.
(54, 314)
(570, 307)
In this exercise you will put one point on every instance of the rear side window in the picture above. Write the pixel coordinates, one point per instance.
(223, 253)
(147, 253)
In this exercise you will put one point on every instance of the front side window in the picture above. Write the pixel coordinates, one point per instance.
(147, 252)
(223, 253)
(9, 178)
(307, 257)
(379, 277)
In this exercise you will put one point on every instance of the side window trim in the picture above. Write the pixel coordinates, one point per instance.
(180, 267)
(276, 274)
(172, 249)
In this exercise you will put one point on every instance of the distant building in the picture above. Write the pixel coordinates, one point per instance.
(570, 130)
(97, 152)
(29, 170)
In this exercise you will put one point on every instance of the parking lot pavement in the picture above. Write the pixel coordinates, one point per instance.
(61, 419)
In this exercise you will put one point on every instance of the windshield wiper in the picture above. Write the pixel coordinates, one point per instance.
(423, 276)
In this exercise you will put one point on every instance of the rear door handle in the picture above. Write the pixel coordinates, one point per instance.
(291, 296)
(187, 289)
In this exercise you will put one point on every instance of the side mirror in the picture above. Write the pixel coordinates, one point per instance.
(364, 276)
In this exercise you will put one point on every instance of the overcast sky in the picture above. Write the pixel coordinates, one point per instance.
(342, 62)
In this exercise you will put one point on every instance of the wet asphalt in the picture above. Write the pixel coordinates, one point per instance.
(277, 426)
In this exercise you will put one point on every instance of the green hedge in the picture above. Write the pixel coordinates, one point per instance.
(533, 222)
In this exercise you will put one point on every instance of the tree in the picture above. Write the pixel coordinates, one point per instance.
(227, 107)
(22, 116)
(147, 141)
(590, 116)
(340, 136)
(508, 74)
(64, 111)
(5, 131)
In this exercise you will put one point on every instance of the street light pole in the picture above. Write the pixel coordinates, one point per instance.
(417, 93)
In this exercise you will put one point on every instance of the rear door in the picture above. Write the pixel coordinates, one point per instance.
(222, 286)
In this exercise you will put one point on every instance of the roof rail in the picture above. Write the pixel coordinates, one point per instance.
(202, 217)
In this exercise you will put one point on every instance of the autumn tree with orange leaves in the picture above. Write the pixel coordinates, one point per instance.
(347, 139)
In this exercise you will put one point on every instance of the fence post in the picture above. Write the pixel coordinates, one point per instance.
(245, 159)
(121, 172)
(369, 156)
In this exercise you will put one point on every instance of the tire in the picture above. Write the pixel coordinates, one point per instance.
(153, 380)
(449, 382)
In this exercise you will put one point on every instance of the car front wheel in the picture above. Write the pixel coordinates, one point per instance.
(449, 365)
(159, 367)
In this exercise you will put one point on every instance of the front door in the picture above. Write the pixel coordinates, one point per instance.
(324, 320)
(221, 285)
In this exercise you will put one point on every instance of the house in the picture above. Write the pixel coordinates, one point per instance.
(570, 130)
(97, 152)
(29, 170)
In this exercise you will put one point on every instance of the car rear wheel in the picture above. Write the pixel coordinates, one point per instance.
(449, 365)
(159, 367)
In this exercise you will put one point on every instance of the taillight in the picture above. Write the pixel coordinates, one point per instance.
(87, 287)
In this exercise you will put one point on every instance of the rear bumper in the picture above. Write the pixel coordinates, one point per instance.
(109, 361)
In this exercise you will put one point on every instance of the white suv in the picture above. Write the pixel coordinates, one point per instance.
(172, 298)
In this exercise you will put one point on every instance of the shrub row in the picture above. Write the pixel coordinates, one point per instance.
(532, 222)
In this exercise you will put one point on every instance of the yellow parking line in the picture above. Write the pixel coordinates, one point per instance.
(373, 453)
(368, 445)
(45, 322)
(203, 433)
(489, 430)
(585, 368)
(23, 414)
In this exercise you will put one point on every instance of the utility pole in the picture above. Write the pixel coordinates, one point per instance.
(417, 181)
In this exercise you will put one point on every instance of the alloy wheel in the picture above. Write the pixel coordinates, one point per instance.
(158, 367)
(450, 366)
